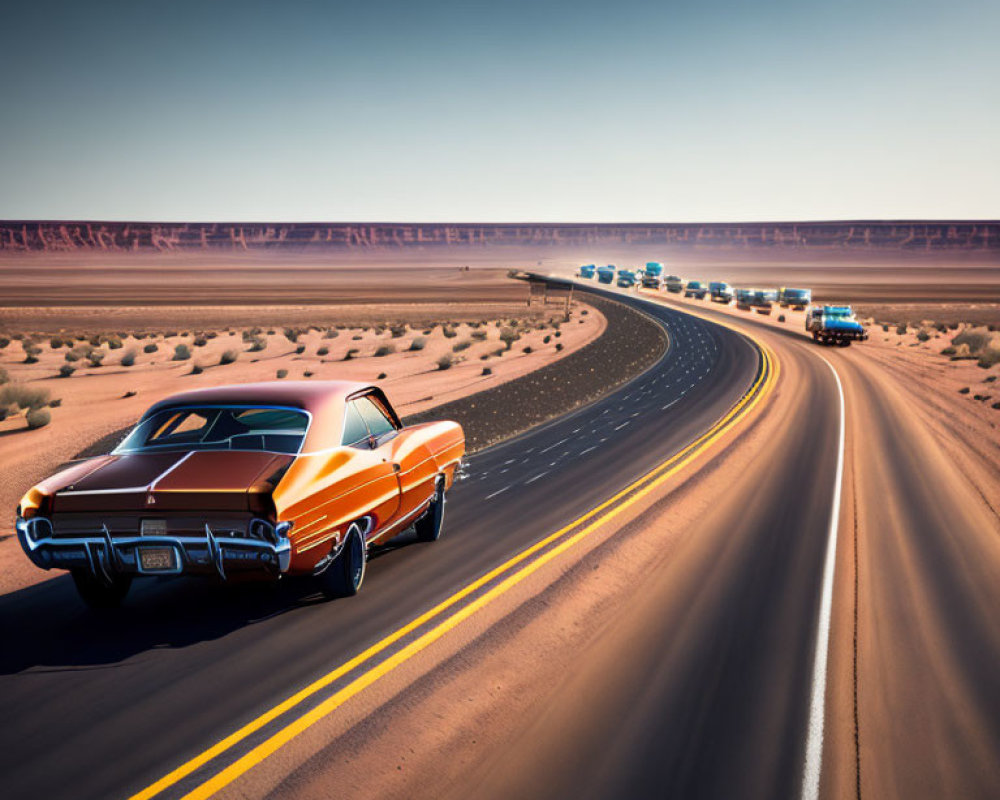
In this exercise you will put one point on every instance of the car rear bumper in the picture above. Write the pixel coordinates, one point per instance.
(104, 555)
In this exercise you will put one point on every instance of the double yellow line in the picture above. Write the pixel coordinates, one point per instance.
(604, 512)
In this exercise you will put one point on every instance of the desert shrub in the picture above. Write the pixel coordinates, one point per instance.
(357, 338)
(200, 341)
(781, 318)
(397, 331)
(128, 358)
(282, 373)
(976, 340)
(37, 418)
(4, 376)
(508, 336)
(257, 343)
(419, 343)
(24, 397)
(487, 371)
(292, 334)
(445, 361)
(130, 393)
(152, 347)
(56, 342)
(66, 370)
(449, 333)
(526, 349)
(458, 347)
(381, 376)
(559, 346)
(384, 350)
(197, 369)
(72, 355)
(484, 356)
(31, 353)
(923, 336)
(307, 374)
(300, 349)
(989, 379)
(546, 340)
(95, 341)
(350, 354)
(948, 351)
(55, 403)
(996, 405)
(901, 330)
(211, 335)
(4, 341)
(96, 358)
(331, 333)
(228, 356)
(323, 351)
(428, 332)
(479, 336)
(182, 352)
(557, 334)
(113, 342)
(885, 327)
(989, 357)
(964, 390)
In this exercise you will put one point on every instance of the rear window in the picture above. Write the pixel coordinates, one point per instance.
(279, 430)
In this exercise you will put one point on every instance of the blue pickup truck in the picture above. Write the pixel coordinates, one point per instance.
(835, 325)
(588, 270)
(606, 274)
(652, 276)
(720, 292)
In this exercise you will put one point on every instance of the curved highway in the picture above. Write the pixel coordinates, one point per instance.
(104, 707)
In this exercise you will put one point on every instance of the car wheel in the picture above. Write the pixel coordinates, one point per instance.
(343, 578)
(101, 594)
(428, 527)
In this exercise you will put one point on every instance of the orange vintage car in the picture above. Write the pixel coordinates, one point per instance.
(259, 480)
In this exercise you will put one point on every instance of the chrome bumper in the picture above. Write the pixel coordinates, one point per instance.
(105, 555)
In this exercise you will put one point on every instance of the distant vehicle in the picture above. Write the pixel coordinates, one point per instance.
(257, 480)
(744, 299)
(674, 284)
(834, 325)
(652, 276)
(626, 278)
(796, 299)
(606, 274)
(587, 271)
(720, 292)
(763, 300)
(696, 289)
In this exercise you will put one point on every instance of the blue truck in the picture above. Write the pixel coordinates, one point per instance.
(796, 299)
(606, 274)
(626, 278)
(652, 276)
(763, 300)
(675, 285)
(834, 325)
(587, 271)
(744, 298)
(720, 292)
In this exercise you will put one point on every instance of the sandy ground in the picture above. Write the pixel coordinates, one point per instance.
(95, 401)
(493, 709)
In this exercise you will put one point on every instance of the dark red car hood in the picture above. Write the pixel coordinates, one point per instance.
(174, 481)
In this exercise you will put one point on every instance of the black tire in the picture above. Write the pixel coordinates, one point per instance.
(428, 527)
(98, 593)
(343, 578)
(844, 343)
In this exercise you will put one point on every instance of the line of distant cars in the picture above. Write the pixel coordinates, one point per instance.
(828, 324)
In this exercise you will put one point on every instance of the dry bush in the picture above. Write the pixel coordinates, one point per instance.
(350, 354)
(257, 343)
(200, 341)
(37, 418)
(976, 340)
(487, 371)
(66, 370)
(182, 352)
(228, 356)
(419, 343)
(300, 349)
(96, 358)
(458, 347)
(382, 376)
(150, 348)
(988, 358)
(398, 331)
(331, 333)
(445, 362)
(449, 333)
(128, 358)
(479, 336)
(281, 373)
(31, 353)
(24, 397)
(508, 336)
(197, 369)
(323, 351)
(4, 341)
(384, 350)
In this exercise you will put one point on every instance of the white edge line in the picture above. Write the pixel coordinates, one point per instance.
(817, 705)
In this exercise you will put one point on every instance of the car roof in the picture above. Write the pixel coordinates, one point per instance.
(324, 400)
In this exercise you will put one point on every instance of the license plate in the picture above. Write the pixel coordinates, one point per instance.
(153, 527)
(157, 559)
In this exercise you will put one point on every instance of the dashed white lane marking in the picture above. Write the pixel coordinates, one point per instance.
(539, 475)
(817, 707)
(501, 491)
(664, 408)
(621, 426)
(551, 446)
(594, 447)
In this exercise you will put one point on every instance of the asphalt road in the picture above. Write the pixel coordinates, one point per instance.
(101, 707)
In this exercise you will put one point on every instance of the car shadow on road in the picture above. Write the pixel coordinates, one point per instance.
(46, 627)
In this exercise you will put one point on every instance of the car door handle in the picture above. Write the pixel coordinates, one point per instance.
(396, 467)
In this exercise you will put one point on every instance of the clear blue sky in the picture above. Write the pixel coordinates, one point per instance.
(500, 111)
